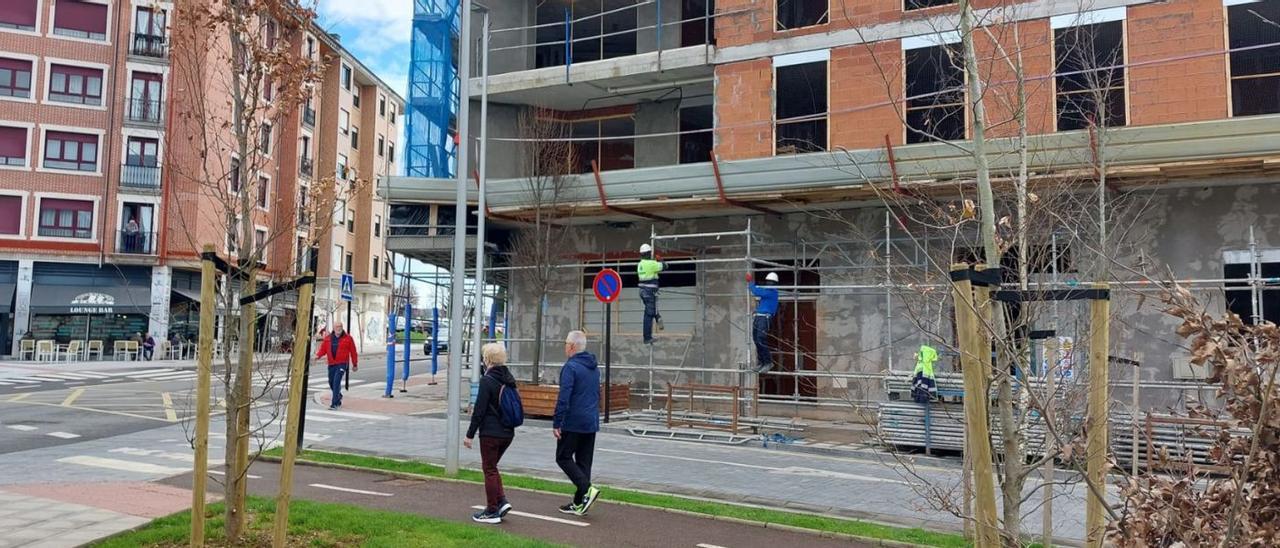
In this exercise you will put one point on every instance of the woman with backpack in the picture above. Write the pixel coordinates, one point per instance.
(496, 415)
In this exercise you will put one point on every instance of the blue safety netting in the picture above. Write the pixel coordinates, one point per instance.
(433, 89)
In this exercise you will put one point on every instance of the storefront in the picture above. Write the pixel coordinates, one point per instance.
(8, 289)
(83, 302)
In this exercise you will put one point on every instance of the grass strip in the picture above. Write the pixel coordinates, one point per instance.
(863, 529)
(321, 524)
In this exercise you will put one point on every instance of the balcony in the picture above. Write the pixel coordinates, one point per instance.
(133, 242)
(140, 177)
(309, 117)
(149, 46)
(144, 111)
(306, 166)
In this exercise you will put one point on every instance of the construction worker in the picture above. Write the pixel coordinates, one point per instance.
(648, 270)
(765, 309)
(924, 387)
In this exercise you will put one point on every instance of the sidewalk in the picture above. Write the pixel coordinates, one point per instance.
(68, 515)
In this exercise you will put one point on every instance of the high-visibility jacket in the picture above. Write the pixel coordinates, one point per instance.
(648, 270)
(924, 361)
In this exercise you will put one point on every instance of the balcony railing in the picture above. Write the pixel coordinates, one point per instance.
(140, 176)
(64, 232)
(144, 111)
(134, 242)
(309, 117)
(149, 45)
(306, 166)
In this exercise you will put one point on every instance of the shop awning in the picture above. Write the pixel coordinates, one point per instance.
(6, 298)
(55, 299)
(189, 294)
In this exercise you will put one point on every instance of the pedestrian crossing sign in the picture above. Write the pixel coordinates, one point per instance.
(348, 287)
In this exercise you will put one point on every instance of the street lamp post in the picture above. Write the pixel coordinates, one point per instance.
(480, 210)
(453, 432)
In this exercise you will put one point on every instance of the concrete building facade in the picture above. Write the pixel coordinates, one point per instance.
(839, 132)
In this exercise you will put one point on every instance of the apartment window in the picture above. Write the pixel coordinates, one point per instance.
(391, 116)
(382, 145)
(909, 5)
(311, 48)
(374, 271)
(143, 151)
(145, 97)
(260, 242)
(355, 98)
(268, 88)
(11, 215)
(75, 85)
(351, 221)
(270, 32)
(80, 19)
(1255, 73)
(695, 135)
(612, 144)
(346, 263)
(382, 106)
(233, 176)
(377, 226)
(264, 141)
(70, 151)
(935, 94)
(346, 77)
(1239, 294)
(300, 256)
(342, 166)
(15, 78)
(794, 14)
(602, 29)
(337, 257)
(19, 14)
(355, 138)
(150, 22)
(66, 218)
(1090, 74)
(340, 212)
(13, 146)
(800, 106)
(264, 186)
(391, 151)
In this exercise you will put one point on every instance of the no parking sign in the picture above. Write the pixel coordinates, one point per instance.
(608, 286)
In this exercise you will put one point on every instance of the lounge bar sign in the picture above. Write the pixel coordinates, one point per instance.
(93, 303)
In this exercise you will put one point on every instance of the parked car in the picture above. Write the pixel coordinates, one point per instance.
(442, 344)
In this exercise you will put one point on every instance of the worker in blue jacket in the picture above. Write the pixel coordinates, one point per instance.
(766, 307)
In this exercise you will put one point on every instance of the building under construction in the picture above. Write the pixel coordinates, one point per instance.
(835, 148)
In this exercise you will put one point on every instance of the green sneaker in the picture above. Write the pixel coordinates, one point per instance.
(590, 499)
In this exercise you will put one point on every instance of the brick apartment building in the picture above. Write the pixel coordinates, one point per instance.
(788, 111)
(100, 237)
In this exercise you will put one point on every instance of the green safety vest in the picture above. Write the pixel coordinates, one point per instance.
(924, 361)
(648, 269)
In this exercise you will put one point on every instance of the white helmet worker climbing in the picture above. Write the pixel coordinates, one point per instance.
(646, 248)
(771, 277)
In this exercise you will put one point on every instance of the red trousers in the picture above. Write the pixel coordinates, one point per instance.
(491, 451)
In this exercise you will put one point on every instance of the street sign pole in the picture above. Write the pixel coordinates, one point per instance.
(608, 340)
(607, 286)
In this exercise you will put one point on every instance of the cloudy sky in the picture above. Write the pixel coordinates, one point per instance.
(377, 31)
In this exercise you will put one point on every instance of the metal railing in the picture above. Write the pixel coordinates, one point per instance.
(309, 117)
(306, 166)
(147, 111)
(140, 176)
(134, 242)
(149, 45)
(64, 232)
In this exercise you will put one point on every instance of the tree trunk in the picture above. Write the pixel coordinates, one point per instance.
(537, 341)
(238, 423)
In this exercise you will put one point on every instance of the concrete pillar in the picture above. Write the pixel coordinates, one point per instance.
(22, 302)
(161, 288)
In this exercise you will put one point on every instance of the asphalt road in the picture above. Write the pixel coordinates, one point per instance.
(535, 514)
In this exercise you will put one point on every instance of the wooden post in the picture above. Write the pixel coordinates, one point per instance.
(301, 330)
(1133, 416)
(1050, 401)
(975, 359)
(204, 376)
(1097, 423)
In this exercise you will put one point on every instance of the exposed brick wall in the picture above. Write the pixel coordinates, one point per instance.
(744, 109)
(863, 93)
(1184, 90)
(1032, 41)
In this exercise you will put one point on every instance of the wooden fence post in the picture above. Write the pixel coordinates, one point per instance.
(301, 330)
(204, 377)
(1097, 422)
(975, 359)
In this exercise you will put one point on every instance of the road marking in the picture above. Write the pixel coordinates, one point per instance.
(172, 376)
(221, 473)
(349, 490)
(152, 374)
(349, 415)
(22, 380)
(124, 465)
(63, 435)
(705, 545)
(112, 380)
(24, 387)
(791, 470)
(46, 378)
(169, 412)
(319, 418)
(544, 518)
(20, 396)
(72, 397)
(88, 375)
(56, 376)
(21, 427)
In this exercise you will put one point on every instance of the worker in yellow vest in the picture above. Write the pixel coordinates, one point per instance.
(647, 270)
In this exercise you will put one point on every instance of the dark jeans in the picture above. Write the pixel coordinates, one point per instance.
(574, 452)
(147, 353)
(760, 335)
(649, 296)
(491, 451)
(335, 383)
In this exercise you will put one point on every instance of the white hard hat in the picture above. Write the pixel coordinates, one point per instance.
(772, 276)
(645, 248)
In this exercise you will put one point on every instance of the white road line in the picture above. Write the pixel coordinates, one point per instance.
(790, 470)
(63, 435)
(90, 374)
(349, 490)
(76, 375)
(221, 473)
(60, 376)
(142, 371)
(22, 427)
(149, 375)
(349, 415)
(2, 383)
(25, 386)
(46, 378)
(544, 518)
(705, 545)
(178, 377)
(318, 418)
(22, 380)
(124, 465)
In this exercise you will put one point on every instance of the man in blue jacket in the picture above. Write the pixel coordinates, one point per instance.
(765, 309)
(577, 420)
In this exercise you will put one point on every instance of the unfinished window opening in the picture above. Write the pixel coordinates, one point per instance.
(1239, 295)
(936, 109)
(1255, 73)
(699, 26)
(800, 108)
(793, 333)
(1090, 75)
(602, 29)
(677, 301)
(695, 135)
(909, 5)
(611, 143)
(794, 14)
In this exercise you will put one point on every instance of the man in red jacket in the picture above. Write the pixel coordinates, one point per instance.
(339, 350)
